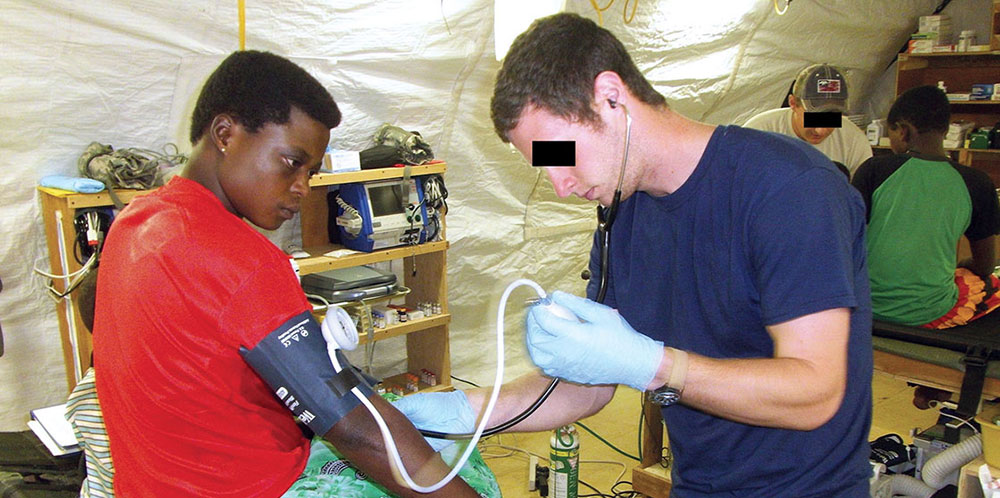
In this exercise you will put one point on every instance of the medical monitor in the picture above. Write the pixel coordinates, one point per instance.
(387, 201)
(381, 213)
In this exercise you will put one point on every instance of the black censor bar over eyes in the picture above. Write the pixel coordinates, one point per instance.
(553, 153)
(821, 119)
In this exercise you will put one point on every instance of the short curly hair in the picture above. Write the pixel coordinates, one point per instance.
(257, 88)
(553, 65)
(925, 107)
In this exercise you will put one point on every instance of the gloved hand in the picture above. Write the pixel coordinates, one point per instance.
(448, 412)
(602, 349)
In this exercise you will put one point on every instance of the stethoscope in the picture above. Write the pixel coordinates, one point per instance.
(606, 215)
(605, 220)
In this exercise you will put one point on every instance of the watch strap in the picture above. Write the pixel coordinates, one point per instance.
(678, 370)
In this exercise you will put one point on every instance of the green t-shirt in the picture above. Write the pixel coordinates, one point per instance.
(918, 209)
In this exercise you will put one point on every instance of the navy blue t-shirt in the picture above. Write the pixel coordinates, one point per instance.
(765, 230)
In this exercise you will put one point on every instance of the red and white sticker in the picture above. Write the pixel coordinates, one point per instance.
(828, 85)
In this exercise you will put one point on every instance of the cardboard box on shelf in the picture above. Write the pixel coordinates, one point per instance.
(933, 23)
(981, 91)
(920, 46)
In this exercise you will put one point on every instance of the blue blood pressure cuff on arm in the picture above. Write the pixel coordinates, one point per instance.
(293, 360)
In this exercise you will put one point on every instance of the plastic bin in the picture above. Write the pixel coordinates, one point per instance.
(989, 421)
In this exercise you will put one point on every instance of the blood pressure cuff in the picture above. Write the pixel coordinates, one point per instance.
(293, 360)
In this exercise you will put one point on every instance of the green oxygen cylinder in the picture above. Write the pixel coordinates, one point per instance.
(564, 462)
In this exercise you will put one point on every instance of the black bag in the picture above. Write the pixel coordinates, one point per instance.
(380, 156)
(28, 470)
(994, 136)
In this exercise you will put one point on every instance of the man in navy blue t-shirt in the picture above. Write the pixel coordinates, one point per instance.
(737, 291)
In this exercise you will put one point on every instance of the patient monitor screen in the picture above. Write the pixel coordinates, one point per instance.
(386, 199)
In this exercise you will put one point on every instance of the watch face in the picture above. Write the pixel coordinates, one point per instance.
(664, 396)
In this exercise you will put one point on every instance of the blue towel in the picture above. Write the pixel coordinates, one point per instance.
(73, 183)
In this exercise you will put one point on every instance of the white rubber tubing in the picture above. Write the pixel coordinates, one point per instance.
(909, 486)
(938, 468)
(396, 463)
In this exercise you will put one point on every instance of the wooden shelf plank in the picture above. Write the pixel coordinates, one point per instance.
(400, 329)
(76, 200)
(318, 262)
(975, 102)
(400, 380)
(368, 175)
(948, 54)
(652, 481)
(960, 149)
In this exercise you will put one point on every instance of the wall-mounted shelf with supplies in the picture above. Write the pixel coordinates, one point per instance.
(424, 268)
(959, 71)
(427, 341)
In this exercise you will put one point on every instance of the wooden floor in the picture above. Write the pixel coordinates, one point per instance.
(602, 466)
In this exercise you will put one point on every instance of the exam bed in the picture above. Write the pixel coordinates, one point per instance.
(963, 360)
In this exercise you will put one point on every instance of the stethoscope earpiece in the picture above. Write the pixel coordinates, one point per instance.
(606, 216)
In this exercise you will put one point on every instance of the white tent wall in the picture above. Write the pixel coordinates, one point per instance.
(126, 74)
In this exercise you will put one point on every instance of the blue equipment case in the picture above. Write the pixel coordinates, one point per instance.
(393, 213)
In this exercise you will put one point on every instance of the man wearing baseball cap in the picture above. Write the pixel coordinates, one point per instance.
(819, 95)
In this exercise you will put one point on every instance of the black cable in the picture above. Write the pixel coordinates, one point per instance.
(628, 493)
(81, 224)
(588, 429)
(606, 220)
(642, 418)
(86, 220)
(79, 247)
(502, 427)
(437, 202)
(622, 494)
(666, 457)
(434, 228)
(596, 492)
(73, 285)
(473, 384)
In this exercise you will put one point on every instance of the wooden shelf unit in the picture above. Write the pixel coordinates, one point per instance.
(59, 208)
(425, 265)
(982, 157)
(995, 27)
(959, 71)
(650, 478)
(968, 478)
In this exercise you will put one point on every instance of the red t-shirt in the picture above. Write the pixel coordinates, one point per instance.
(183, 284)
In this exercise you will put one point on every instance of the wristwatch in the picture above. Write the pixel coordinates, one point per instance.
(670, 392)
(664, 396)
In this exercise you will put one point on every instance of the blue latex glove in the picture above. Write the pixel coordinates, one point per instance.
(602, 348)
(448, 412)
(72, 183)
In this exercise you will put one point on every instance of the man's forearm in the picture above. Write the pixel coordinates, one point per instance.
(800, 388)
(568, 402)
(768, 392)
(358, 437)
